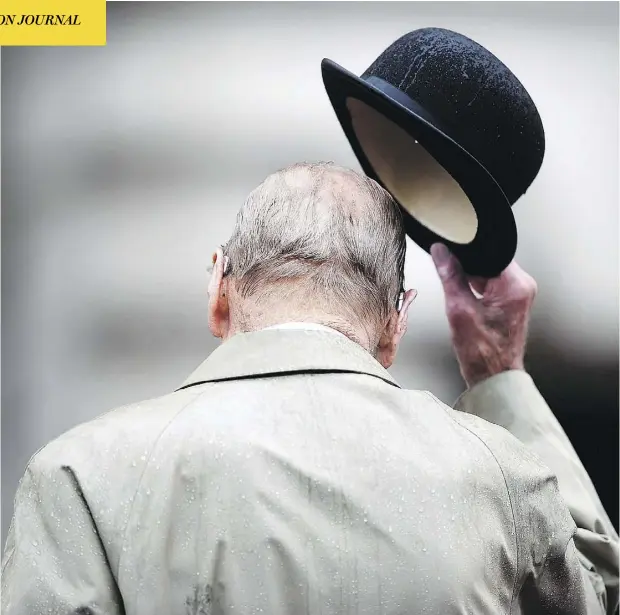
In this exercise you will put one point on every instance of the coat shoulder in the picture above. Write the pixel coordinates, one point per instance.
(542, 519)
(117, 435)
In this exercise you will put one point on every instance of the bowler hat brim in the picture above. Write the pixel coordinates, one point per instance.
(495, 240)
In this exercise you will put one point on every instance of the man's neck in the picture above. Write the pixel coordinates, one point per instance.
(335, 325)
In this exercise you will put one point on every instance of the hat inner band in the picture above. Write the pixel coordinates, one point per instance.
(422, 187)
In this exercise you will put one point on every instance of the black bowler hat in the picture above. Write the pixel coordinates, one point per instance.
(451, 133)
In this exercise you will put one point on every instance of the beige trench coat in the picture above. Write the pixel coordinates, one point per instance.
(292, 475)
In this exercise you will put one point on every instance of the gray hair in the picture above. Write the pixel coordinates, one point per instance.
(331, 233)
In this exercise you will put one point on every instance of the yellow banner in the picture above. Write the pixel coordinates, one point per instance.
(52, 22)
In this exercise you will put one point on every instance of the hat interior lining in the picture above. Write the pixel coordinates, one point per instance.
(413, 177)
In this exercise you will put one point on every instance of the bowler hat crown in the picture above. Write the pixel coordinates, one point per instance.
(474, 97)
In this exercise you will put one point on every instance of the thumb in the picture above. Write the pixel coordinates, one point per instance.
(451, 274)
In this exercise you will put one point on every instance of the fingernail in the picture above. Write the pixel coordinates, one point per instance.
(440, 253)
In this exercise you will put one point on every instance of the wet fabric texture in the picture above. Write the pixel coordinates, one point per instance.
(292, 475)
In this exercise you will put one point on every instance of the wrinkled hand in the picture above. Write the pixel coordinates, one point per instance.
(489, 333)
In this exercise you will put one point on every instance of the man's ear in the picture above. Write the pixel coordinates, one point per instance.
(219, 313)
(394, 331)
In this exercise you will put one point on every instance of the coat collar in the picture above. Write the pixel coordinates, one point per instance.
(272, 352)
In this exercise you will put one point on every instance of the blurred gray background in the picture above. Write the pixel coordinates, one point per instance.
(123, 168)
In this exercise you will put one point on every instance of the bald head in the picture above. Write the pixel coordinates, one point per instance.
(317, 239)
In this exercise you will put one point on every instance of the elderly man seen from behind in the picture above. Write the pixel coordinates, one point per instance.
(292, 474)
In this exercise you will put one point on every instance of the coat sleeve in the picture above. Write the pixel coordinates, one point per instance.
(588, 560)
(54, 561)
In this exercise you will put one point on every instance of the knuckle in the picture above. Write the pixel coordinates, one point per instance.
(449, 276)
(525, 290)
(461, 313)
